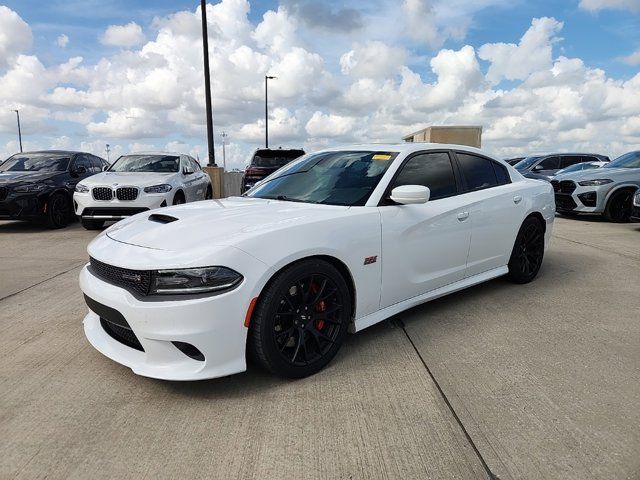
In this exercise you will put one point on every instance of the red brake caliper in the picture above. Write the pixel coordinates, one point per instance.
(320, 307)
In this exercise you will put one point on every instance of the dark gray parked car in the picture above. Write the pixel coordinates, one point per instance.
(542, 167)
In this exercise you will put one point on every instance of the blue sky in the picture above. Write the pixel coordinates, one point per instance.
(335, 43)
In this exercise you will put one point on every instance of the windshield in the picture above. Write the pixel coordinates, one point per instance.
(274, 158)
(578, 167)
(147, 163)
(526, 163)
(331, 178)
(628, 160)
(35, 162)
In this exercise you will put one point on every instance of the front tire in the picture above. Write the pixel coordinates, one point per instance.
(179, 199)
(528, 252)
(301, 319)
(92, 224)
(619, 207)
(58, 211)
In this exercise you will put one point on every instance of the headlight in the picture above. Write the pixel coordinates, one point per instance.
(29, 188)
(194, 280)
(595, 183)
(164, 188)
(80, 188)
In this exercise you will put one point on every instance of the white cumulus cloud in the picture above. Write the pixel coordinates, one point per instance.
(128, 35)
(62, 40)
(15, 35)
(597, 5)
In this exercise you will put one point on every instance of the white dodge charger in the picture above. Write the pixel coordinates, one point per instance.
(139, 182)
(332, 243)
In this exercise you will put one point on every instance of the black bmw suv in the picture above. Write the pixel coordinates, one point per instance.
(39, 185)
(264, 162)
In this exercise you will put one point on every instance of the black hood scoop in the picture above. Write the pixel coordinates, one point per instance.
(160, 218)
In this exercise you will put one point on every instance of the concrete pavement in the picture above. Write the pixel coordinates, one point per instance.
(535, 381)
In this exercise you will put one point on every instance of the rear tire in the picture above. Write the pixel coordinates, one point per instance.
(58, 211)
(619, 207)
(528, 252)
(92, 224)
(301, 319)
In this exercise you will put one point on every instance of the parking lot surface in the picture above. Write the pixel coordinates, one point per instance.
(534, 381)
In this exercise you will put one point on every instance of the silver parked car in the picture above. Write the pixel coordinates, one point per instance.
(608, 190)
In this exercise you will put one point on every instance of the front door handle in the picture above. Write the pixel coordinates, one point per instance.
(462, 216)
(517, 199)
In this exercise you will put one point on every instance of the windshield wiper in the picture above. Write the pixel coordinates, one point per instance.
(285, 198)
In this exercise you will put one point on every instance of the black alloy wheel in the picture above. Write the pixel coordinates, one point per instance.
(619, 207)
(179, 199)
(528, 252)
(58, 211)
(301, 319)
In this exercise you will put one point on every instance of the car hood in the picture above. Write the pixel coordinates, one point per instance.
(216, 222)
(135, 179)
(593, 174)
(26, 177)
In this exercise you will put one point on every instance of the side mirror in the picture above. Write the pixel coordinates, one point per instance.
(537, 168)
(410, 194)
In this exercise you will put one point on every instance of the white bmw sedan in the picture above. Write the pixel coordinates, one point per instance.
(332, 243)
(139, 182)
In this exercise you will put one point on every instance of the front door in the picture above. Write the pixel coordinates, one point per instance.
(424, 246)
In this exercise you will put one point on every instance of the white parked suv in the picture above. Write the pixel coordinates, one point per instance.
(139, 182)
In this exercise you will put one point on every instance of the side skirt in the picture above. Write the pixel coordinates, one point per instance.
(391, 310)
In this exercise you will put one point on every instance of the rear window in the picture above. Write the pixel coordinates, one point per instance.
(274, 158)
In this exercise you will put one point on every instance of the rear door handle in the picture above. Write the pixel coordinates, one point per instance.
(462, 216)
(517, 199)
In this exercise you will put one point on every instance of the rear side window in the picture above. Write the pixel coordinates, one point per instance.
(433, 170)
(478, 172)
(502, 174)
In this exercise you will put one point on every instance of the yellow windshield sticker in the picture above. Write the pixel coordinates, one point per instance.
(380, 156)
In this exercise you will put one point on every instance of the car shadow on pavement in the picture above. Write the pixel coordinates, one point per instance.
(19, 226)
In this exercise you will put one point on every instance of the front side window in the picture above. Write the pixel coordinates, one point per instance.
(82, 161)
(147, 163)
(331, 178)
(35, 162)
(432, 170)
(478, 172)
(569, 160)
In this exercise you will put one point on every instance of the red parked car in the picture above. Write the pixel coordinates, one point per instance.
(264, 162)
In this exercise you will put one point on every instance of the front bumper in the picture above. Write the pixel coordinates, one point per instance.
(580, 199)
(87, 207)
(212, 324)
(21, 206)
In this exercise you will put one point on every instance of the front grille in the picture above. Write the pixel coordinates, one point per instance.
(567, 186)
(135, 281)
(122, 334)
(565, 202)
(127, 193)
(4, 191)
(556, 185)
(102, 193)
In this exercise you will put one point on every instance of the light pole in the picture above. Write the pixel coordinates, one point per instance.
(266, 109)
(224, 136)
(108, 150)
(207, 84)
(19, 131)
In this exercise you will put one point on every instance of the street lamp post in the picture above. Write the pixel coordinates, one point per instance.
(19, 131)
(207, 85)
(266, 109)
(224, 136)
(108, 150)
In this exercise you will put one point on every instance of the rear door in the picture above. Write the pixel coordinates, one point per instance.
(425, 246)
(495, 209)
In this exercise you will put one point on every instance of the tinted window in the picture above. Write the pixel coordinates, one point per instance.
(83, 161)
(478, 172)
(628, 160)
(549, 163)
(96, 164)
(569, 160)
(433, 170)
(194, 164)
(502, 174)
(274, 158)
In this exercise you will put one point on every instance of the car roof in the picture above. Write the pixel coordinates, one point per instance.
(55, 152)
(405, 147)
(158, 153)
